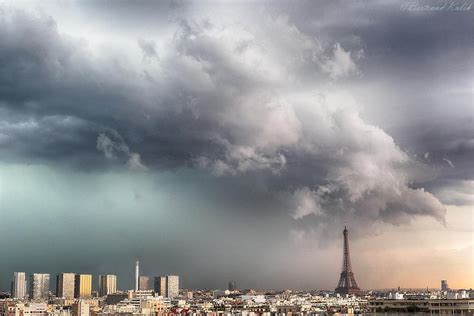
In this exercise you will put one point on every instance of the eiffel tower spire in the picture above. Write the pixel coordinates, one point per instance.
(347, 283)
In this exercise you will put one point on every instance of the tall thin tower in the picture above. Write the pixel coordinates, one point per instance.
(347, 283)
(137, 274)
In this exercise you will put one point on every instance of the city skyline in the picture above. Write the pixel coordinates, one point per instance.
(220, 141)
(107, 284)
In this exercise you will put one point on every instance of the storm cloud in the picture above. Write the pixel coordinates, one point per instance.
(272, 101)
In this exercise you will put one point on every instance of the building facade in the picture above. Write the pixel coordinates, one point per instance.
(172, 286)
(444, 285)
(83, 286)
(39, 286)
(232, 286)
(81, 308)
(19, 285)
(159, 285)
(431, 306)
(107, 284)
(137, 274)
(65, 285)
(143, 283)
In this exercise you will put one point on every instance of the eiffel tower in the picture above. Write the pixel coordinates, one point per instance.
(347, 283)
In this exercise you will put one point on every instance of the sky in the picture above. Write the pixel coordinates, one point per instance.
(234, 140)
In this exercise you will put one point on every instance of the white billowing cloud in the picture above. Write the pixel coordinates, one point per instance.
(240, 101)
(366, 175)
(117, 148)
(241, 159)
(449, 162)
(306, 203)
(111, 148)
(264, 115)
(341, 64)
(135, 163)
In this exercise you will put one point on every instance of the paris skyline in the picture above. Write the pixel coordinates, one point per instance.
(234, 141)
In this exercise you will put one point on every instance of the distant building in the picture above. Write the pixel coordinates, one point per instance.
(220, 293)
(32, 309)
(39, 286)
(143, 283)
(65, 285)
(83, 286)
(257, 298)
(81, 308)
(457, 295)
(167, 286)
(172, 286)
(189, 295)
(395, 296)
(159, 285)
(429, 306)
(115, 298)
(107, 284)
(444, 285)
(232, 286)
(140, 294)
(19, 285)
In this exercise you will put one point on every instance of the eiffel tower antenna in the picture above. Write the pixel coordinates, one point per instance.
(347, 283)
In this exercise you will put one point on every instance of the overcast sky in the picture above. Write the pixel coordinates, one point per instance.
(234, 140)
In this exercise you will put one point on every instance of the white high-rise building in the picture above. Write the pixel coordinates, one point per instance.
(172, 286)
(39, 286)
(19, 285)
(107, 284)
(65, 285)
(137, 274)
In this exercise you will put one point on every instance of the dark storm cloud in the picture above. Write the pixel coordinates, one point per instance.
(209, 102)
(272, 120)
(423, 63)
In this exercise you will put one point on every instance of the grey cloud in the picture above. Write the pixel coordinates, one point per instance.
(109, 147)
(148, 47)
(456, 192)
(417, 74)
(252, 113)
(255, 119)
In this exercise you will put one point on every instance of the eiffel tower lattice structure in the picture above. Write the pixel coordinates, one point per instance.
(347, 283)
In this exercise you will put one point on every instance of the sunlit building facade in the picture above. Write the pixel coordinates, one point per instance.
(19, 285)
(107, 284)
(83, 286)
